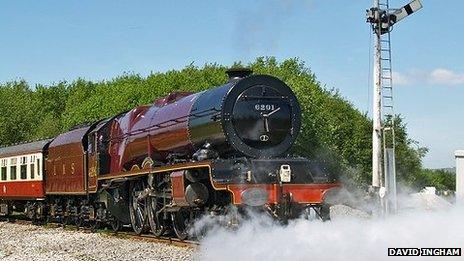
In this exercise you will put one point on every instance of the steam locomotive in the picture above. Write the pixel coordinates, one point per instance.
(161, 166)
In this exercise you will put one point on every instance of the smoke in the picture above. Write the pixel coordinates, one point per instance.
(350, 235)
(258, 27)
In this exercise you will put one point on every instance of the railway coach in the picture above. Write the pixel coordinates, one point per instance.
(21, 175)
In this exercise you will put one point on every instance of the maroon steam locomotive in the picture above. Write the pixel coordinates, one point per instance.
(161, 166)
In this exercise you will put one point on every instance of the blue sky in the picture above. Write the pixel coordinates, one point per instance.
(48, 41)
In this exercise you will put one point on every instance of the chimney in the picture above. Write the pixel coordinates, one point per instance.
(236, 74)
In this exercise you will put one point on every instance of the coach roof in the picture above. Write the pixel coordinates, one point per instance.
(24, 148)
(70, 137)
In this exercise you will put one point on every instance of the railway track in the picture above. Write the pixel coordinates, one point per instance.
(120, 234)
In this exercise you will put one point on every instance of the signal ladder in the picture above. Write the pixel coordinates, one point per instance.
(388, 114)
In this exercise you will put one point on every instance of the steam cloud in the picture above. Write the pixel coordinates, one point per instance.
(343, 238)
(259, 25)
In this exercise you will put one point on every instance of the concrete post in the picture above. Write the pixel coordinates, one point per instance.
(377, 111)
(459, 154)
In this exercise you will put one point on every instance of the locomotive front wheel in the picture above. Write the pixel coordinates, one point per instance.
(325, 212)
(137, 207)
(182, 222)
(156, 220)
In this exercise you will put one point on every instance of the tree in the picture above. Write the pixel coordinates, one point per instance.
(17, 112)
(334, 134)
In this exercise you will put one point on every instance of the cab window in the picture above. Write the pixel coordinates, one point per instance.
(92, 143)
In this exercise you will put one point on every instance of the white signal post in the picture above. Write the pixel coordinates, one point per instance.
(377, 114)
(382, 19)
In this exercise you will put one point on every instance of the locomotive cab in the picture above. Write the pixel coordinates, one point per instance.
(99, 159)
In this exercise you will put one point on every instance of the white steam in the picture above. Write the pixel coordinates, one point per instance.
(343, 238)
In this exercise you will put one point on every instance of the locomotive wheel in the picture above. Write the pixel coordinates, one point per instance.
(321, 212)
(156, 221)
(182, 222)
(137, 208)
(47, 219)
(147, 163)
(35, 221)
(324, 212)
(78, 221)
(30, 212)
(94, 225)
(67, 217)
(115, 224)
(65, 220)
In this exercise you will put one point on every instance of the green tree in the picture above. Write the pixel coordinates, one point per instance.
(333, 133)
(17, 112)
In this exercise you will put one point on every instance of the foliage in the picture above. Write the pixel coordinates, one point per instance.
(441, 179)
(333, 131)
(17, 112)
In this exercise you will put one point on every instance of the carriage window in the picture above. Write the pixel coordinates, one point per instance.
(38, 168)
(32, 170)
(23, 168)
(23, 171)
(32, 167)
(13, 168)
(3, 169)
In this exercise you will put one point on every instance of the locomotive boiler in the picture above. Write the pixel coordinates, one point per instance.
(256, 116)
(161, 166)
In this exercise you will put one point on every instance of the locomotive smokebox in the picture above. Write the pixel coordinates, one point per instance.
(238, 73)
(253, 115)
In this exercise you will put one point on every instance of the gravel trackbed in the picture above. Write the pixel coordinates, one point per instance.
(29, 242)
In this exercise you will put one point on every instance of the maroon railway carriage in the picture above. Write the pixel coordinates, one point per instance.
(163, 165)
